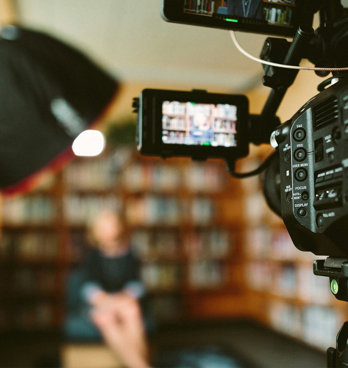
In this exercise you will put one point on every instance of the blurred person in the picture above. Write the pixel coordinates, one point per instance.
(108, 293)
(245, 8)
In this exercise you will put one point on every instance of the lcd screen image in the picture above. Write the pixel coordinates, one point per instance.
(199, 124)
(279, 12)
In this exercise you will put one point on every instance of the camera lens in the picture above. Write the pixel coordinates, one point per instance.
(299, 134)
(300, 154)
(301, 174)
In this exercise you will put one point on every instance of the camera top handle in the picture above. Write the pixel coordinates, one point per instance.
(322, 47)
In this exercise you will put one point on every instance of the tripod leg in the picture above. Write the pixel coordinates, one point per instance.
(331, 358)
(338, 358)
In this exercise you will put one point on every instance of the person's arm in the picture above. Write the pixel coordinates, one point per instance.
(134, 287)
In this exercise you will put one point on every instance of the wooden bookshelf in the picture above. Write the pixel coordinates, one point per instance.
(186, 228)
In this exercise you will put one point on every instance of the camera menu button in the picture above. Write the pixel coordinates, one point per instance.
(301, 174)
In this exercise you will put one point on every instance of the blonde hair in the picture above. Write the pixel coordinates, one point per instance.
(98, 217)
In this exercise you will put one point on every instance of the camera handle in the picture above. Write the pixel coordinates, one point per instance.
(306, 43)
(278, 50)
(337, 270)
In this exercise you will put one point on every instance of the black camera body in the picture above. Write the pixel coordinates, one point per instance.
(194, 123)
(313, 155)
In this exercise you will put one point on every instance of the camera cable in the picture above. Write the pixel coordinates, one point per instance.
(231, 168)
(244, 52)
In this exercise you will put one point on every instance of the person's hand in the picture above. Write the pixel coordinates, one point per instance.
(102, 318)
(115, 302)
(103, 300)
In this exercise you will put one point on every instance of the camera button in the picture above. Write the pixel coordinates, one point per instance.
(301, 212)
(299, 134)
(320, 220)
(305, 196)
(301, 174)
(300, 154)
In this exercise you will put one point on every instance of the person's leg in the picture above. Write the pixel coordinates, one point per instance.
(131, 321)
(121, 339)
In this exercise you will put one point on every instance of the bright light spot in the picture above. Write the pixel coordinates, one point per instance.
(89, 143)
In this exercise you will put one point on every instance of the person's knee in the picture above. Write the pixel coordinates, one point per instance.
(133, 311)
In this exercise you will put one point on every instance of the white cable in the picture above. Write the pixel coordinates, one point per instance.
(234, 39)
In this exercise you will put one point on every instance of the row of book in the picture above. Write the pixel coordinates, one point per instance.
(207, 274)
(31, 210)
(227, 125)
(201, 275)
(264, 242)
(154, 210)
(209, 244)
(105, 174)
(200, 244)
(32, 281)
(275, 15)
(28, 316)
(157, 276)
(288, 280)
(283, 2)
(29, 246)
(200, 6)
(190, 109)
(98, 174)
(156, 244)
(174, 123)
(81, 209)
(316, 325)
(157, 177)
(102, 173)
(206, 177)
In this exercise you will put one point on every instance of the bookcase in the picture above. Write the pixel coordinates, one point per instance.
(204, 7)
(209, 246)
(186, 227)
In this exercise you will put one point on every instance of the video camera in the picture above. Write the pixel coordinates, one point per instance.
(306, 178)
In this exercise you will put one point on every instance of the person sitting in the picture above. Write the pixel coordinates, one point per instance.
(109, 292)
(245, 8)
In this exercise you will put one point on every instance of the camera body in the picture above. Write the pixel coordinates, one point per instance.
(196, 124)
(313, 155)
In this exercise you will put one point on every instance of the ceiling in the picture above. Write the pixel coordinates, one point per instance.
(130, 39)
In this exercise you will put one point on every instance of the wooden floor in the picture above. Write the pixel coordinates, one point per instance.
(253, 346)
